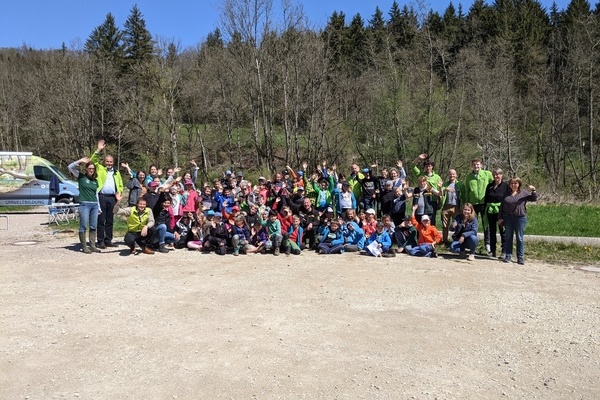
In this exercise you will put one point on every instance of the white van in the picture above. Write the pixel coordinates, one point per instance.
(26, 179)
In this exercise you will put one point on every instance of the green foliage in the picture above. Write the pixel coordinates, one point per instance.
(562, 253)
(563, 220)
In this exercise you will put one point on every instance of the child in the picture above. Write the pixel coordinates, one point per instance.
(382, 238)
(293, 243)
(258, 238)
(405, 235)
(273, 231)
(354, 237)
(428, 236)
(333, 239)
(370, 223)
(240, 236)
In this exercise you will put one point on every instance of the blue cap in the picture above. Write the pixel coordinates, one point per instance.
(218, 214)
(210, 213)
(300, 173)
(366, 170)
(228, 172)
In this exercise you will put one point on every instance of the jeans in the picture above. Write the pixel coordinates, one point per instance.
(106, 218)
(88, 216)
(423, 250)
(164, 235)
(470, 243)
(329, 248)
(515, 225)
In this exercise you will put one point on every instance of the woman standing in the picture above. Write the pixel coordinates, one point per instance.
(513, 214)
(88, 202)
(495, 192)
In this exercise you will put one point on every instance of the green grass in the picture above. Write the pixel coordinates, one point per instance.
(562, 253)
(5, 209)
(563, 220)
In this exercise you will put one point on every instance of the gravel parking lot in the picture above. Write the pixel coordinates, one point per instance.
(185, 325)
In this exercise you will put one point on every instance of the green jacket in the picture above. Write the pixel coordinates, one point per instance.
(136, 221)
(460, 193)
(103, 173)
(432, 179)
(475, 186)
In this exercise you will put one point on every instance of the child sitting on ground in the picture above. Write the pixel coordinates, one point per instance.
(428, 236)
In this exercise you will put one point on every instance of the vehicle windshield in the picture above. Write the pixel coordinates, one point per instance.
(58, 173)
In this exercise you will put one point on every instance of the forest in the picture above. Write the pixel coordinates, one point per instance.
(511, 82)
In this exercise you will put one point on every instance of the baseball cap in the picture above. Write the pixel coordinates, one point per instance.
(262, 178)
(300, 173)
(210, 213)
(329, 209)
(189, 182)
(370, 211)
(153, 184)
(228, 172)
(235, 208)
(218, 214)
(425, 217)
(239, 175)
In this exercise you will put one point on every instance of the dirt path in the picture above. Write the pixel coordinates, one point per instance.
(190, 326)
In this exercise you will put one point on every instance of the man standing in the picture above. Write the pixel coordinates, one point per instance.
(110, 188)
(475, 186)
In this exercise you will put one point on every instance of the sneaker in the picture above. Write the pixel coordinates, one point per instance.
(236, 252)
(502, 256)
(163, 249)
(520, 261)
(434, 254)
(488, 249)
(288, 250)
(276, 252)
(506, 259)
(471, 257)
(133, 251)
(148, 250)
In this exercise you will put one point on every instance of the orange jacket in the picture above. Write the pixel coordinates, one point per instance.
(429, 234)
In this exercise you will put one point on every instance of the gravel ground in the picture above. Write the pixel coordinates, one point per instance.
(188, 326)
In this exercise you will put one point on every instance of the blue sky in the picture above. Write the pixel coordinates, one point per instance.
(45, 24)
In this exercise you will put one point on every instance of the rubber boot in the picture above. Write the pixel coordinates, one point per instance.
(84, 246)
(93, 242)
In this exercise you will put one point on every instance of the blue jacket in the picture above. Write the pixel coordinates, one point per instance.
(464, 229)
(355, 237)
(334, 238)
(300, 233)
(384, 239)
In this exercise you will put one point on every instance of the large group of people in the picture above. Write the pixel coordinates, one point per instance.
(372, 211)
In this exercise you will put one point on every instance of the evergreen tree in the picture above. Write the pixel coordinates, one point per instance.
(376, 32)
(137, 40)
(356, 46)
(105, 41)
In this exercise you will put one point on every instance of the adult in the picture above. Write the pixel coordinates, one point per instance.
(140, 227)
(475, 185)
(433, 180)
(452, 190)
(513, 214)
(88, 202)
(110, 189)
(465, 232)
(136, 186)
(494, 194)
